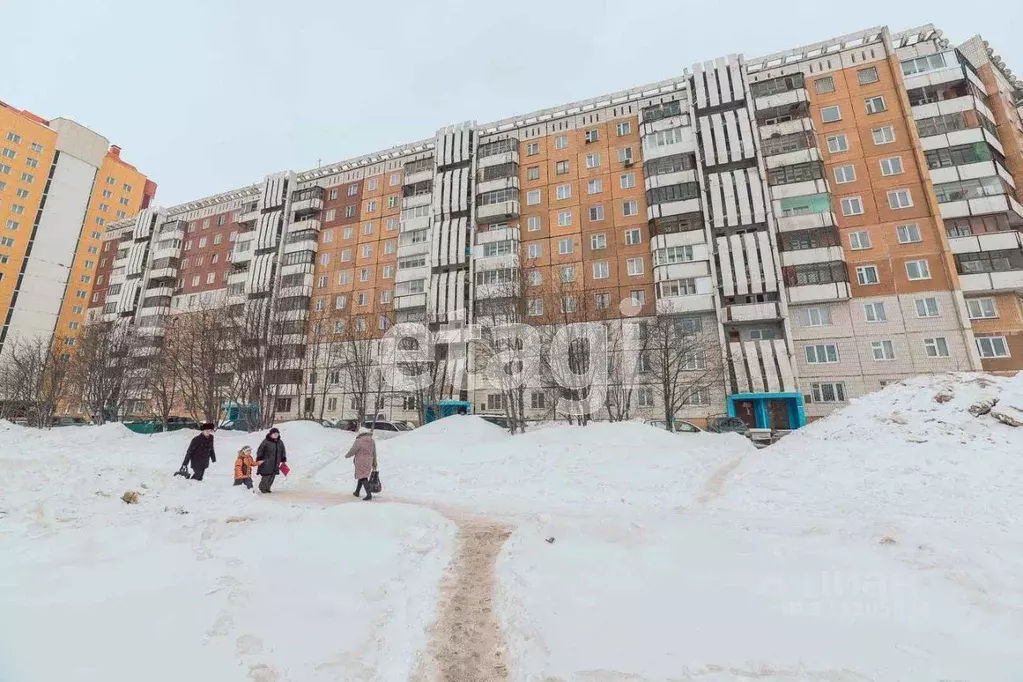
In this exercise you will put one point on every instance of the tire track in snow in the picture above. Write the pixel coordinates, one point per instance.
(714, 486)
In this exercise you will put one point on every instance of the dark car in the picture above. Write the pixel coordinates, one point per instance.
(728, 425)
(496, 420)
(70, 421)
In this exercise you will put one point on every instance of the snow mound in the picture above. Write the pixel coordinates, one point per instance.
(456, 430)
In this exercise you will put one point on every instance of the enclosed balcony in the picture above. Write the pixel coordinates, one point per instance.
(675, 224)
(497, 206)
(497, 153)
(307, 240)
(779, 92)
(816, 245)
(249, 213)
(419, 171)
(306, 201)
(817, 282)
(803, 212)
(980, 196)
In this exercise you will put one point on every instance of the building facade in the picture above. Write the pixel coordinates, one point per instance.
(837, 217)
(60, 183)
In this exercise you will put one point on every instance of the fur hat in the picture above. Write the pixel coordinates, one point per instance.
(206, 426)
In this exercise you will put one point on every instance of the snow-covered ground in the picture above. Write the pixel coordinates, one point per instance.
(883, 543)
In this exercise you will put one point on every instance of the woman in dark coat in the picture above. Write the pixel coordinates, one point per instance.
(270, 455)
(200, 452)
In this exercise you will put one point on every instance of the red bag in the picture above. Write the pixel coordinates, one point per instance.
(285, 469)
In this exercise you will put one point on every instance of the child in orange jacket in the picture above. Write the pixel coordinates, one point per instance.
(243, 466)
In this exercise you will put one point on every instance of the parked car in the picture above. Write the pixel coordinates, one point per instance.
(404, 425)
(70, 421)
(383, 429)
(496, 419)
(178, 423)
(678, 425)
(729, 425)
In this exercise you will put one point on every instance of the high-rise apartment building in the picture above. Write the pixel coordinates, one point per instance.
(837, 217)
(60, 183)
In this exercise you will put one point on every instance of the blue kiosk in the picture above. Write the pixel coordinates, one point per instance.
(778, 411)
(446, 408)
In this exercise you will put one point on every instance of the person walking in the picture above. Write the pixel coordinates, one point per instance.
(243, 466)
(364, 450)
(270, 455)
(200, 452)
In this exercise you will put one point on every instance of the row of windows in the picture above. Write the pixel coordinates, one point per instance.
(897, 199)
(820, 316)
(873, 105)
(570, 304)
(882, 350)
(593, 160)
(622, 129)
(881, 135)
(17, 139)
(867, 275)
(566, 245)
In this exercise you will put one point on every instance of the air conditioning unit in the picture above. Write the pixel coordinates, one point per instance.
(628, 162)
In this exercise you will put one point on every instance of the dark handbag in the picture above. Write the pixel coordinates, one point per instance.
(183, 471)
(374, 484)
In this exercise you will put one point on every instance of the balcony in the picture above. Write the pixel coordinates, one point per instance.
(160, 289)
(511, 182)
(307, 201)
(809, 155)
(493, 213)
(498, 290)
(292, 315)
(165, 272)
(304, 225)
(824, 254)
(978, 197)
(790, 127)
(751, 312)
(249, 213)
(677, 305)
(698, 267)
(817, 293)
(416, 200)
(990, 241)
(805, 221)
(496, 153)
(672, 208)
(992, 282)
(783, 99)
(410, 301)
(499, 262)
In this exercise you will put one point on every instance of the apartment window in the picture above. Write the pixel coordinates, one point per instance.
(85, 279)
(533, 223)
(367, 250)
(678, 287)
(362, 299)
(346, 255)
(927, 307)
(598, 241)
(852, 206)
(218, 238)
(899, 198)
(630, 208)
(824, 85)
(633, 236)
(532, 149)
(594, 186)
(363, 274)
(344, 276)
(14, 137)
(561, 167)
(623, 128)
(563, 192)
(5, 169)
(645, 396)
(392, 224)
(371, 206)
(206, 224)
(838, 143)
(353, 190)
(328, 236)
(596, 213)
(372, 184)
(535, 278)
(387, 272)
(892, 166)
(120, 214)
(322, 281)
(875, 105)
(215, 259)
(36, 147)
(533, 250)
(9, 153)
(565, 246)
(844, 174)
(564, 218)
(340, 301)
(592, 135)
(333, 194)
(393, 201)
(211, 277)
(395, 179)
(823, 353)
(602, 301)
(673, 254)
(859, 240)
(634, 266)
(100, 221)
(13, 224)
(561, 141)
(627, 180)
(918, 269)
(874, 312)
(831, 114)
(883, 135)
(828, 392)
(535, 307)
(195, 281)
(637, 297)
(347, 234)
(936, 347)
(220, 221)
(625, 155)
(593, 160)
(350, 211)
(867, 274)
(992, 347)
(568, 274)
(533, 173)
(77, 310)
(908, 234)
(532, 197)
(6, 241)
(867, 76)
(102, 207)
(390, 246)
(980, 308)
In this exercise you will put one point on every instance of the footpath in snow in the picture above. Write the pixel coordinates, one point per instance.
(882, 543)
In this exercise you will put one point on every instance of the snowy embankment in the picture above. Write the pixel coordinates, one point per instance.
(883, 543)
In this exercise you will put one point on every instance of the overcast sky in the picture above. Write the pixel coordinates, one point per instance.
(208, 95)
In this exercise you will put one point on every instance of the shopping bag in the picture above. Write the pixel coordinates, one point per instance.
(375, 485)
(285, 469)
(183, 471)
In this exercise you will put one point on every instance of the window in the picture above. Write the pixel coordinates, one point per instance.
(532, 197)
(17, 209)
(561, 167)
(387, 272)
(637, 297)
(596, 213)
(367, 229)
(14, 137)
(882, 350)
(13, 225)
(852, 206)
(533, 173)
(347, 234)
(645, 396)
(630, 207)
(533, 250)
(899, 198)
(831, 114)
(324, 259)
(838, 143)
(392, 224)
(353, 189)
(924, 64)
(592, 135)
(634, 266)
(980, 308)
(867, 274)
(673, 254)
(322, 281)
(883, 135)
(824, 85)
(532, 149)
(678, 287)
(535, 278)
(992, 347)
(918, 269)
(594, 186)
(859, 240)
(593, 160)
(844, 174)
(563, 192)
(625, 155)
(195, 281)
(346, 255)
(566, 246)
(363, 274)
(633, 236)
(823, 353)
(602, 301)
(875, 105)
(867, 76)
(623, 128)
(564, 218)
(830, 392)
(627, 181)
(393, 201)
(874, 312)
(568, 274)
(218, 238)
(892, 166)
(9, 153)
(561, 141)
(367, 250)
(927, 307)
(908, 234)
(333, 194)
(6, 241)
(535, 307)
(211, 277)
(344, 276)
(598, 241)
(936, 347)
(533, 223)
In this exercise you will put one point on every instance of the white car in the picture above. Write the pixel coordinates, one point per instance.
(384, 430)
(680, 426)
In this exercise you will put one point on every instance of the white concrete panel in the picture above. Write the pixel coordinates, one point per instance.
(698, 78)
(718, 126)
(767, 261)
(767, 352)
(728, 190)
(714, 190)
(741, 375)
(709, 155)
(735, 71)
(781, 355)
(742, 198)
(749, 242)
(756, 375)
(710, 72)
(739, 260)
(735, 142)
(756, 195)
(725, 263)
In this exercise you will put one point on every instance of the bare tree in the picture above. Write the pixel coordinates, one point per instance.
(163, 383)
(202, 342)
(34, 378)
(102, 371)
(682, 360)
(357, 351)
